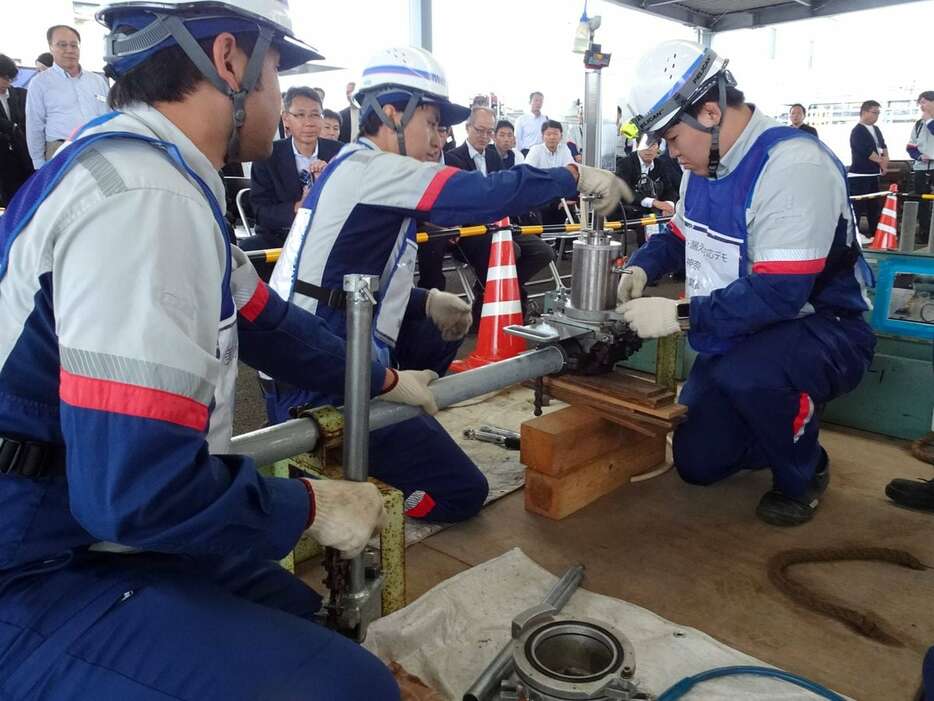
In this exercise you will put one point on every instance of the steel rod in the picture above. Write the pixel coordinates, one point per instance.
(487, 684)
(269, 445)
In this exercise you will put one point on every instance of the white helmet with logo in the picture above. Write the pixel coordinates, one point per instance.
(139, 29)
(671, 78)
(406, 76)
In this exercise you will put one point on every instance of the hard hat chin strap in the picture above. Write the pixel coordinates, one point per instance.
(415, 99)
(713, 162)
(254, 68)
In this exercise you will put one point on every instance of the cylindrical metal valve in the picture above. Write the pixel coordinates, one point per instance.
(594, 283)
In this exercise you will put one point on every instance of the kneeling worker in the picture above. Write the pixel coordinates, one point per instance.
(360, 217)
(775, 281)
(137, 555)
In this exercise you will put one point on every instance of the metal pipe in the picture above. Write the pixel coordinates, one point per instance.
(274, 443)
(472, 383)
(360, 301)
(487, 684)
(906, 234)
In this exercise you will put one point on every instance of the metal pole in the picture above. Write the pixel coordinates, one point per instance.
(487, 684)
(931, 230)
(360, 301)
(592, 150)
(269, 445)
(906, 237)
(420, 24)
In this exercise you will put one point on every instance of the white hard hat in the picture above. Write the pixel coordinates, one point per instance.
(151, 25)
(670, 78)
(395, 75)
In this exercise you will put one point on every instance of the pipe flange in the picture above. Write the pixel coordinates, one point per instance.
(558, 659)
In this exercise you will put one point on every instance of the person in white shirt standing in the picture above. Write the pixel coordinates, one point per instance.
(62, 98)
(529, 126)
(553, 152)
(921, 149)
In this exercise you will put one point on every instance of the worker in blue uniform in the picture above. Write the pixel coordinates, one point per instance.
(137, 554)
(775, 281)
(361, 216)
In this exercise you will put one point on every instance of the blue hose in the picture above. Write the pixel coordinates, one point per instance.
(685, 685)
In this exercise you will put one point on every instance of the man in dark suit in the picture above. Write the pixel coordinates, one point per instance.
(348, 117)
(532, 254)
(504, 144)
(15, 163)
(869, 159)
(279, 184)
(656, 191)
(796, 116)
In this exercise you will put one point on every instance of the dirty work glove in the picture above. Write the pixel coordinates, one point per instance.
(346, 514)
(411, 387)
(596, 181)
(652, 317)
(631, 283)
(449, 313)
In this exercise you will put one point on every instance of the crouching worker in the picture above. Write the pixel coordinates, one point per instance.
(360, 217)
(137, 555)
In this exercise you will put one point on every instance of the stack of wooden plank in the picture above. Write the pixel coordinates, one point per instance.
(614, 430)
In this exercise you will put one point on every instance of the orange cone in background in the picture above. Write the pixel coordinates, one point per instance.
(887, 231)
(501, 307)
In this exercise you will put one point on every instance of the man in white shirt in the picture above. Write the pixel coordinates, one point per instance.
(62, 98)
(553, 152)
(529, 126)
(921, 149)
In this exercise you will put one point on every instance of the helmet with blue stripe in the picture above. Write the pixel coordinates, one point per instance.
(670, 79)
(139, 29)
(406, 76)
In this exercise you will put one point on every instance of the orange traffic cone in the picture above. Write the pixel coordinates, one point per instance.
(501, 307)
(887, 230)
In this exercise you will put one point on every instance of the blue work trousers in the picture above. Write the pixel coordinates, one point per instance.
(418, 456)
(756, 405)
(151, 627)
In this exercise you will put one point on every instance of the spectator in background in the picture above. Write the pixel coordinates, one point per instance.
(279, 184)
(43, 61)
(551, 153)
(655, 192)
(63, 98)
(796, 116)
(15, 164)
(504, 143)
(870, 158)
(448, 141)
(320, 92)
(330, 125)
(350, 117)
(921, 149)
(529, 126)
(480, 101)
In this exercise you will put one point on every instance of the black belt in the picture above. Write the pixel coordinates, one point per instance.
(30, 458)
(333, 298)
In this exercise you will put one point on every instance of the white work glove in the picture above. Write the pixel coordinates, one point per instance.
(346, 514)
(451, 314)
(652, 317)
(412, 388)
(596, 181)
(631, 283)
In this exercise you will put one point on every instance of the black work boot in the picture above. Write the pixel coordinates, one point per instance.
(915, 494)
(778, 509)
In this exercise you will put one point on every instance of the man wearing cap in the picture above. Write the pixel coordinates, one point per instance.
(360, 217)
(775, 281)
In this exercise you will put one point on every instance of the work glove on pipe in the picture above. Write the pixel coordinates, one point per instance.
(631, 284)
(652, 317)
(596, 181)
(346, 514)
(411, 387)
(451, 314)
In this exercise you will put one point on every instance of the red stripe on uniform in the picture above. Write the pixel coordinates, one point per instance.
(257, 303)
(805, 409)
(789, 267)
(675, 230)
(422, 508)
(434, 188)
(132, 400)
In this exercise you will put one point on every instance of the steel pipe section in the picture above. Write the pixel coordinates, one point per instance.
(269, 445)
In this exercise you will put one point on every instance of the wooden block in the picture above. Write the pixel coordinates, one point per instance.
(569, 389)
(558, 442)
(557, 497)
